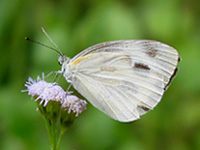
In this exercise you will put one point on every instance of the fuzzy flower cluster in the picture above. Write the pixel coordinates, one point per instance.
(74, 104)
(46, 92)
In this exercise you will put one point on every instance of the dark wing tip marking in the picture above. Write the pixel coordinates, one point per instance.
(179, 58)
(143, 108)
(150, 48)
(152, 52)
(173, 75)
(141, 66)
(170, 80)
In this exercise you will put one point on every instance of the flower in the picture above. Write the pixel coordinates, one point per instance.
(44, 91)
(74, 104)
(54, 103)
(71, 107)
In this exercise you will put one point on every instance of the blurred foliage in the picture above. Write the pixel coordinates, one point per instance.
(75, 25)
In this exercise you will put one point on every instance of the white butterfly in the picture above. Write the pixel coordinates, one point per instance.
(124, 79)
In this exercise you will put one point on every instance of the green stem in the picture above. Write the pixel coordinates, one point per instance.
(53, 135)
(62, 132)
(48, 126)
(51, 129)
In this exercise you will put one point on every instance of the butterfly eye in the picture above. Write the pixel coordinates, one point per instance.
(61, 59)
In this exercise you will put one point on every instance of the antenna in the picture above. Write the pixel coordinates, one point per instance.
(43, 30)
(28, 39)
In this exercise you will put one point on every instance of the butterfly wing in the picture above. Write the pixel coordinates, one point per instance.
(124, 79)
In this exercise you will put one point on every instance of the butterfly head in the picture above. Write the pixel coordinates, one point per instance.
(63, 59)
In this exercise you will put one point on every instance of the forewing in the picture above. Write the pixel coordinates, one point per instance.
(124, 79)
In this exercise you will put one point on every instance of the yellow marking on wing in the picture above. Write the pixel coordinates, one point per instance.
(79, 59)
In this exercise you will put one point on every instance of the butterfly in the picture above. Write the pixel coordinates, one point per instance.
(124, 79)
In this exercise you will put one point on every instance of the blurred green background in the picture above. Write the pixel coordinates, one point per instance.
(75, 25)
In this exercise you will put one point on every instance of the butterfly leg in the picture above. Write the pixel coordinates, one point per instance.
(57, 72)
(49, 74)
(56, 75)
(69, 92)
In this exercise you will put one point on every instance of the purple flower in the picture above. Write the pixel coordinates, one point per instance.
(44, 91)
(74, 104)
